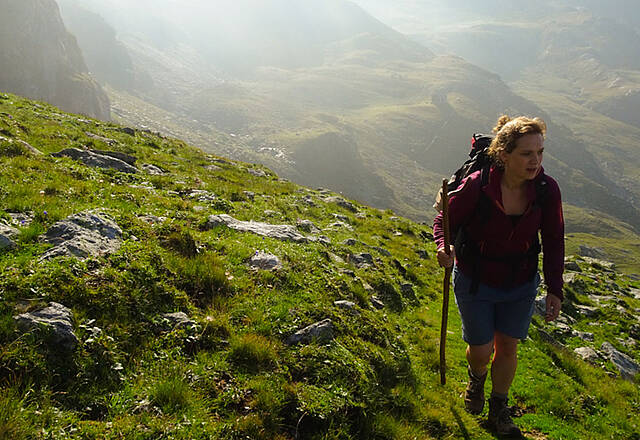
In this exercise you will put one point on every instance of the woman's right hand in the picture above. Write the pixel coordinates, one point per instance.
(444, 259)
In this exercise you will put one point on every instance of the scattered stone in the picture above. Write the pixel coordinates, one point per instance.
(635, 293)
(423, 254)
(308, 200)
(569, 278)
(541, 306)
(202, 195)
(308, 226)
(7, 233)
(131, 160)
(592, 252)
(127, 130)
(92, 159)
(340, 217)
(152, 219)
(270, 213)
(341, 202)
(377, 303)
(321, 239)
(55, 317)
(586, 311)
(153, 169)
(605, 266)
(585, 336)
(249, 195)
(382, 251)
(350, 242)
(634, 331)
(626, 366)
(335, 258)
(212, 168)
(340, 225)
(108, 141)
(348, 272)
(83, 235)
(320, 331)
(21, 219)
(587, 354)
(280, 232)
(179, 319)
(343, 304)
(256, 172)
(361, 260)
(573, 266)
(264, 261)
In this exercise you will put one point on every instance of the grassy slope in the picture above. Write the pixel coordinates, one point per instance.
(232, 376)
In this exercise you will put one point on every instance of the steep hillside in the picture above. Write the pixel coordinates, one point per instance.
(189, 296)
(40, 59)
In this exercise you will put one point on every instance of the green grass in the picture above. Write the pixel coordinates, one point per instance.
(231, 375)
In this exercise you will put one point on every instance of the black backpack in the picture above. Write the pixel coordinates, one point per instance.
(478, 159)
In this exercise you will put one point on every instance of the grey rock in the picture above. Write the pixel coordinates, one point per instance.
(350, 242)
(212, 168)
(340, 217)
(634, 331)
(83, 235)
(201, 195)
(407, 291)
(423, 254)
(626, 366)
(152, 169)
(342, 203)
(587, 251)
(606, 266)
(635, 293)
(382, 251)
(256, 172)
(320, 331)
(178, 319)
(264, 261)
(55, 317)
(585, 336)
(587, 354)
(586, 311)
(280, 232)
(335, 258)
(541, 306)
(96, 160)
(249, 195)
(340, 225)
(270, 212)
(106, 140)
(152, 219)
(21, 218)
(7, 233)
(344, 304)
(308, 226)
(131, 160)
(361, 260)
(573, 266)
(309, 201)
(127, 130)
(321, 239)
(377, 303)
(569, 278)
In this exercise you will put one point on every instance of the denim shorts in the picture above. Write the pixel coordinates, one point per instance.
(492, 309)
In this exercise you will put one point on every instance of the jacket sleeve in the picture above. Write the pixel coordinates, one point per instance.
(552, 231)
(462, 203)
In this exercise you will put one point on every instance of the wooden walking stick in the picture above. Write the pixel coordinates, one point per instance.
(445, 286)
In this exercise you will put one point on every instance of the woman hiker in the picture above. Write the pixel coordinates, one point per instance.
(497, 214)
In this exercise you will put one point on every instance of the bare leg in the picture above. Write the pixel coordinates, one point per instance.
(478, 357)
(505, 362)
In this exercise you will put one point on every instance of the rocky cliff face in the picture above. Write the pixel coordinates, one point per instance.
(41, 60)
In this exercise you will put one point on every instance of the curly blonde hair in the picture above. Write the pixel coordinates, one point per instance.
(508, 130)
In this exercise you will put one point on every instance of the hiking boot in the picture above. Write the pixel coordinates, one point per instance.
(500, 419)
(474, 394)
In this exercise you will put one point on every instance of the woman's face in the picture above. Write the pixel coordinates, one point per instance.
(526, 158)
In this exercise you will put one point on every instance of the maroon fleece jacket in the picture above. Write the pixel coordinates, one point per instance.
(498, 236)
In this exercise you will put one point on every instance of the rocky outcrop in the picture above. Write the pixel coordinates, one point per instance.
(93, 159)
(264, 261)
(41, 60)
(55, 318)
(7, 233)
(626, 366)
(83, 235)
(280, 232)
(320, 331)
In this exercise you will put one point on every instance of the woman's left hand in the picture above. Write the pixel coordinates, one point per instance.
(554, 304)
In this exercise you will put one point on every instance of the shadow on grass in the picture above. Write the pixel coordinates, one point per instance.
(463, 428)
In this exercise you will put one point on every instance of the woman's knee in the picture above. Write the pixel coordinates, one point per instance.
(505, 345)
(481, 353)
